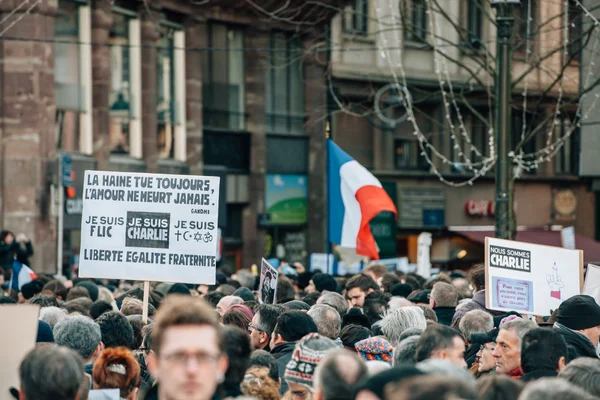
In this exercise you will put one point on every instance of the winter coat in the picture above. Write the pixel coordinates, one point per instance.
(283, 355)
(539, 374)
(445, 314)
(477, 303)
(578, 344)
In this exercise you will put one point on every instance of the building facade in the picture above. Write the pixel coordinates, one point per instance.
(166, 86)
(378, 43)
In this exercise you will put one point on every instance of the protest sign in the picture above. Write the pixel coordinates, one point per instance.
(322, 262)
(529, 278)
(149, 227)
(17, 338)
(104, 394)
(395, 264)
(591, 286)
(567, 236)
(268, 283)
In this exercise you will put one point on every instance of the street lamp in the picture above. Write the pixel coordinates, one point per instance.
(504, 198)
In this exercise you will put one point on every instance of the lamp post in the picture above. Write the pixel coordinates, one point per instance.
(504, 197)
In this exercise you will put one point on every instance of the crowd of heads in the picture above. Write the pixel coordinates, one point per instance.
(378, 335)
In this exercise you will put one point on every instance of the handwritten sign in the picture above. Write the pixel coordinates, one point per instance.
(513, 294)
(268, 283)
(149, 227)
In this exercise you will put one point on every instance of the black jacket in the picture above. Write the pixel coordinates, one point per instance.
(577, 344)
(283, 355)
(445, 314)
(539, 374)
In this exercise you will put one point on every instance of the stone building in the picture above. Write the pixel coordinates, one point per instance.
(221, 87)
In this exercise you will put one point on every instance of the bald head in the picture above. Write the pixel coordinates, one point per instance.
(226, 302)
(337, 373)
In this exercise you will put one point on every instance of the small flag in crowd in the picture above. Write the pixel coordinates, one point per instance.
(355, 198)
(21, 274)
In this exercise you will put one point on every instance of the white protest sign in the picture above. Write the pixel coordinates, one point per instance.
(323, 262)
(268, 283)
(591, 286)
(395, 264)
(104, 394)
(17, 338)
(529, 278)
(149, 227)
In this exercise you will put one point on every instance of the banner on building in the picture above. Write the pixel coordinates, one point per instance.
(529, 278)
(149, 227)
(268, 283)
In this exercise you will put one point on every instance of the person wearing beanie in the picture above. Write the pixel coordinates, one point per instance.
(578, 320)
(28, 291)
(308, 353)
(44, 333)
(401, 290)
(244, 293)
(355, 316)
(179, 288)
(296, 305)
(375, 349)
(321, 282)
(479, 355)
(91, 287)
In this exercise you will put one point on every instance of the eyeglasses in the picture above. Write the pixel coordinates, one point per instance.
(252, 327)
(182, 358)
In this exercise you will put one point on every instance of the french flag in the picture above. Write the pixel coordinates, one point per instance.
(355, 197)
(21, 274)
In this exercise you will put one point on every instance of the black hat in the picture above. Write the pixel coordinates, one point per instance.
(296, 305)
(30, 289)
(244, 293)
(376, 384)
(579, 312)
(483, 338)
(324, 282)
(401, 290)
(91, 287)
(179, 288)
(421, 296)
(355, 316)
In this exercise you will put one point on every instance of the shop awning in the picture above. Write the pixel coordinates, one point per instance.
(590, 247)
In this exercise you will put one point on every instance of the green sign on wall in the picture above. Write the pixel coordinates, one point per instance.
(286, 199)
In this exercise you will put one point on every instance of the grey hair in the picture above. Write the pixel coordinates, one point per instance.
(245, 278)
(444, 294)
(52, 315)
(395, 322)
(334, 300)
(439, 367)
(520, 327)
(584, 373)
(327, 319)
(476, 321)
(320, 343)
(78, 333)
(337, 374)
(554, 389)
(411, 332)
(51, 372)
(406, 350)
(376, 366)
(462, 303)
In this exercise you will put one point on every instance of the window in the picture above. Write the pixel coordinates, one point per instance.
(70, 96)
(356, 18)
(223, 79)
(284, 98)
(474, 24)
(567, 158)
(522, 31)
(408, 154)
(122, 101)
(165, 107)
(575, 30)
(415, 20)
(532, 123)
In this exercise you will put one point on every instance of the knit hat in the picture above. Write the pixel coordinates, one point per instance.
(44, 333)
(296, 305)
(579, 312)
(499, 320)
(324, 282)
(420, 297)
(401, 290)
(179, 288)
(355, 316)
(91, 287)
(375, 348)
(243, 309)
(244, 293)
(30, 289)
(301, 368)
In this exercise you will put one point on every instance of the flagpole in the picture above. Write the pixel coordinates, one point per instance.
(327, 134)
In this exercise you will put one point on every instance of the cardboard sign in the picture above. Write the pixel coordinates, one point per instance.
(591, 287)
(268, 283)
(149, 227)
(530, 278)
(17, 338)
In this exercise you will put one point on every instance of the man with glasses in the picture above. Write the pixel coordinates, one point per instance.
(485, 363)
(188, 350)
(262, 325)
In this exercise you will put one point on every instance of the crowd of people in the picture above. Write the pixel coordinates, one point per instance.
(378, 335)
